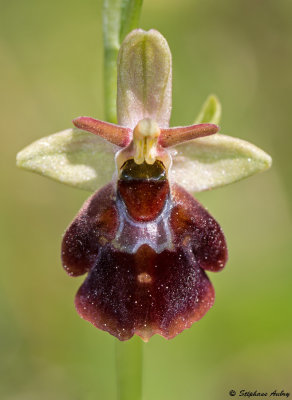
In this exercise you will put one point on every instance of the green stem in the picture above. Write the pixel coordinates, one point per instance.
(111, 41)
(129, 356)
(119, 18)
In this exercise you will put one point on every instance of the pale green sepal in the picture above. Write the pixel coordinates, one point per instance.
(210, 112)
(144, 79)
(73, 157)
(217, 160)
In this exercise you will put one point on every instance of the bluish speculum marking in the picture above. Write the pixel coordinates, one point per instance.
(142, 218)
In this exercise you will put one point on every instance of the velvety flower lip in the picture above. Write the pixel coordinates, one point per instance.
(161, 303)
(146, 291)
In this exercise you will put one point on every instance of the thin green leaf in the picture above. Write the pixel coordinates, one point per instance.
(216, 160)
(73, 157)
(210, 112)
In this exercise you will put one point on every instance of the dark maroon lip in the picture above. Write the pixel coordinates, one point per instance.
(146, 266)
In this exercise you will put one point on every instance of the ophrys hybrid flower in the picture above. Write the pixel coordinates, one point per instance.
(144, 241)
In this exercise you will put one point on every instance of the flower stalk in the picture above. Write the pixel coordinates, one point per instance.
(129, 359)
(119, 18)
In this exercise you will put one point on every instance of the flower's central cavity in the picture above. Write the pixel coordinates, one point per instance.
(131, 171)
(145, 138)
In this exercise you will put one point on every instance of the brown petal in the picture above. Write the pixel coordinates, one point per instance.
(173, 136)
(115, 134)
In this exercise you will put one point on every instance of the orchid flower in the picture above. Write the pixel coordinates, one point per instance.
(143, 240)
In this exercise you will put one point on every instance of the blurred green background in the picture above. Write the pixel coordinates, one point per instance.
(51, 70)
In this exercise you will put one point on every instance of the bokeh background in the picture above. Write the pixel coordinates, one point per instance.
(51, 71)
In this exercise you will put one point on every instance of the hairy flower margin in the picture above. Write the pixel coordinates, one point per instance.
(144, 241)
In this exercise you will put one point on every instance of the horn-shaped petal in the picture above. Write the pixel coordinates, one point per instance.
(173, 136)
(118, 135)
(144, 79)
